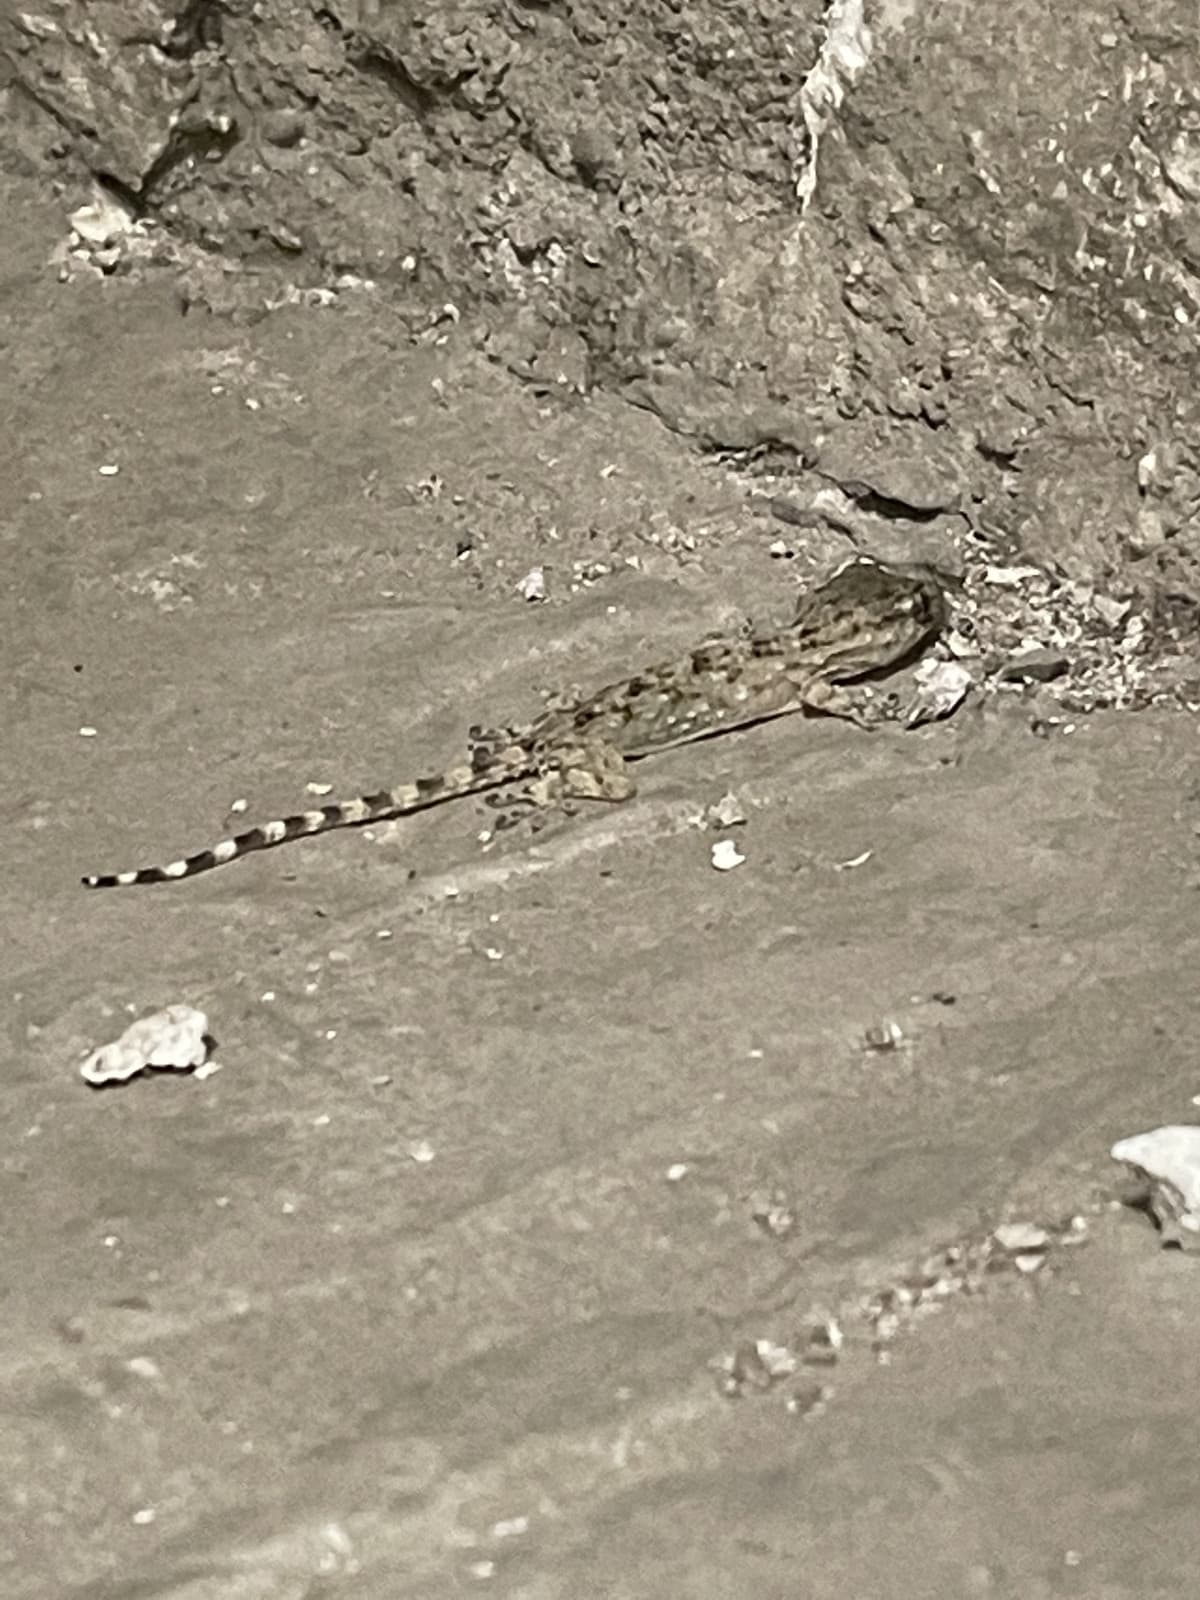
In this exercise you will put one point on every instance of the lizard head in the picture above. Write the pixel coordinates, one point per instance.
(870, 616)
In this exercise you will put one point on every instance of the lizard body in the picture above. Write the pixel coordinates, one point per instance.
(865, 620)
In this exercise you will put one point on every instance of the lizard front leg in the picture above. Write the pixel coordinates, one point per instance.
(854, 705)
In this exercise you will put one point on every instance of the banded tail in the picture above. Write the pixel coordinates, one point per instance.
(500, 768)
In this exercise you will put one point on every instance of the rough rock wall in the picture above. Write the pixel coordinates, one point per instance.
(988, 303)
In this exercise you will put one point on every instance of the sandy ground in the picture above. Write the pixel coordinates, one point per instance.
(421, 1294)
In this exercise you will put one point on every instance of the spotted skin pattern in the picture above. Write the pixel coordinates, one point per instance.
(865, 620)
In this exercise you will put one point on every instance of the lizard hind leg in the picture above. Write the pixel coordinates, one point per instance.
(590, 770)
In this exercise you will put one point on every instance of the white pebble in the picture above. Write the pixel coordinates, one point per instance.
(533, 585)
(726, 855)
(175, 1038)
(509, 1527)
(1021, 1238)
(851, 862)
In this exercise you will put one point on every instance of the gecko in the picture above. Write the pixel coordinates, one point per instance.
(865, 620)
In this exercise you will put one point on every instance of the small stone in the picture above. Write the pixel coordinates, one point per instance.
(1150, 530)
(510, 1527)
(1034, 666)
(745, 1369)
(852, 862)
(726, 812)
(1167, 1160)
(1011, 577)
(1110, 610)
(777, 1360)
(532, 586)
(282, 128)
(1021, 1238)
(883, 1037)
(103, 221)
(772, 1212)
(726, 855)
(825, 1342)
(175, 1039)
(942, 686)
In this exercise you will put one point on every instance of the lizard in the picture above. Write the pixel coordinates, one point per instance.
(865, 620)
